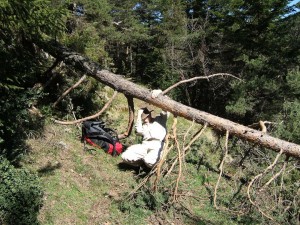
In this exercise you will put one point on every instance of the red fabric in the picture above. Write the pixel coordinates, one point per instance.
(110, 149)
(91, 143)
(118, 147)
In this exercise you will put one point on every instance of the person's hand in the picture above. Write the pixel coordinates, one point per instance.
(140, 112)
(155, 93)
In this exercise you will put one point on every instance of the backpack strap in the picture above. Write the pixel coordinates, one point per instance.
(97, 130)
(103, 134)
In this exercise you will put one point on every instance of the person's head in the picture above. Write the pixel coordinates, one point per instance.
(146, 115)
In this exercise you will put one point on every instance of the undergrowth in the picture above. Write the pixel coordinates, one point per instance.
(92, 187)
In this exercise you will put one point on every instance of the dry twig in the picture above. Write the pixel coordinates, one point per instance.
(161, 161)
(186, 148)
(89, 117)
(221, 170)
(69, 90)
(276, 175)
(258, 176)
(179, 159)
(197, 78)
(141, 184)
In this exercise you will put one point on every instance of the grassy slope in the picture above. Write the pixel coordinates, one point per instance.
(84, 188)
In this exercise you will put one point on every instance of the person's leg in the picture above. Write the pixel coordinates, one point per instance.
(153, 155)
(134, 154)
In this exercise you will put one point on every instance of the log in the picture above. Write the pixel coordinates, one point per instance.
(119, 83)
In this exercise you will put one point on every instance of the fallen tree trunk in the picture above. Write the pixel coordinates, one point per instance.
(117, 82)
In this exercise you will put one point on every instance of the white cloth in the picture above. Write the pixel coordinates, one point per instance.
(149, 150)
(154, 130)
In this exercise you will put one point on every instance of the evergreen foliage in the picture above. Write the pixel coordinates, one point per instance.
(21, 67)
(21, 195)
(157, 43)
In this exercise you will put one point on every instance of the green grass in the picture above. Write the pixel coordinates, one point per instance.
(80, 188)
(84, 188)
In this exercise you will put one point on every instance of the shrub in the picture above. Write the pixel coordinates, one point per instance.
(20, 195)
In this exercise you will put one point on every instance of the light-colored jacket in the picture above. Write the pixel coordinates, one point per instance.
(155, 130)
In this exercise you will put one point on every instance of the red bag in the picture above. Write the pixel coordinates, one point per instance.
(97, 135)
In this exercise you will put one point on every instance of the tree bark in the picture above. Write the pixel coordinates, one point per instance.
(117, 82)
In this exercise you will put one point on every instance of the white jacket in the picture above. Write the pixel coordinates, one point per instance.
(155, 130)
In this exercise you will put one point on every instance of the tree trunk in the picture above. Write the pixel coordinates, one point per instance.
(117, 82)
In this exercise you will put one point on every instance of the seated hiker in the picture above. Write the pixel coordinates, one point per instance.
(153, 129)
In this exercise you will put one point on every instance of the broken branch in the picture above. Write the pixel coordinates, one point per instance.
(69, 90)
(197, 78)
(89, 117)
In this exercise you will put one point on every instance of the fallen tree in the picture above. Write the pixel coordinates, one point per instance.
(120, 84)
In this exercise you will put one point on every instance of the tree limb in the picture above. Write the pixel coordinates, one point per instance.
(120, 84)
(255, 178)
(221, 170)
(69, 90)
(197, 78)
(131, 117)
(89, 117)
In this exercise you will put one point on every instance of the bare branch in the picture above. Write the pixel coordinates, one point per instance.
(197, 78)
(276, 175)
(89, 117)
(69, 90)
(186, 148)
(196, 136)
(131, 117)
(221, 170)
(49, 70)
(161, 161)
(142, 183)
(262, 125)
(258, 176)
(179, 159)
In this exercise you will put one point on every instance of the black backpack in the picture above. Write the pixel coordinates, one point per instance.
(96, 134)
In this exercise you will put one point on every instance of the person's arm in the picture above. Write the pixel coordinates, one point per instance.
(139, 125)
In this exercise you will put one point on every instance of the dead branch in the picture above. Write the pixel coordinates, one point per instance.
(55, 64)
(89, 117)
(197, 78)
(195, 137)
(69, 90)
(120, 84)
(142, 183)
(179, 159)
(239, 212)
(165, 169)
(161, 161)
(262, 125)
(221, 170)
(184, 139)
(131, 117)
(276, 175)
(255, 178)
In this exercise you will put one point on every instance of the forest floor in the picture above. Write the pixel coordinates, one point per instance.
(83, 187)
(88, 187)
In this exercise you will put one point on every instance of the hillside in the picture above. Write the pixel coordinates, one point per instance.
(92, 187)
(232, 76)
(89, 187)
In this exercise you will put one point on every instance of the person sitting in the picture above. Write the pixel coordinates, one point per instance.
(153, 129)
